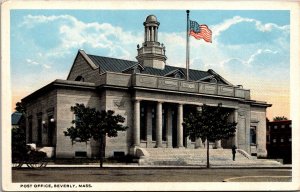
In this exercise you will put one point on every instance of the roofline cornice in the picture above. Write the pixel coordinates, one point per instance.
(59, 83)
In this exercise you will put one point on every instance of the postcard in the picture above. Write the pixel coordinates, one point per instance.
(150, 95)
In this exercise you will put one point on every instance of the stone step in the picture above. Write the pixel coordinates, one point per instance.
(169, 156)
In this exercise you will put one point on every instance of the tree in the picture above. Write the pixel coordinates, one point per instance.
(20, 107)
(18, 135)
(90, 123)
(279, 118)
(18, 144)
(210, 124)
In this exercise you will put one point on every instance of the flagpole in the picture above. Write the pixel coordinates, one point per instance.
(187, 44)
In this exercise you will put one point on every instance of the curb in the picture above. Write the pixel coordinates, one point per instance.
(136, 166)
(246, 178)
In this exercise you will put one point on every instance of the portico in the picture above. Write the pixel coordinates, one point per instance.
(161, 124)
(158, 124)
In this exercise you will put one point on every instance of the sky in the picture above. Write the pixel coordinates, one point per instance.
(249, 47)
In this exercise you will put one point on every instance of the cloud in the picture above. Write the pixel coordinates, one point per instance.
(75, 34)
(259, 26)
(46, 66)
(32, 20)
(34, 63)
(30, 62)
(258, 53)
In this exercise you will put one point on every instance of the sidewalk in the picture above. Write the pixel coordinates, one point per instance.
(135, 165)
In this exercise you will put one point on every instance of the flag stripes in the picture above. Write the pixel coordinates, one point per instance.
(200, 31)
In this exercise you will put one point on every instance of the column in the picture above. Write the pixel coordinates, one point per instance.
(198, 143)
(156, 28)
(179, 126)
(218, 144)
(149, 126)
(235, 138)
(136, 123)
(169, 128)
(159, 124)
(148, 34)
(145, 36)
(152, 33)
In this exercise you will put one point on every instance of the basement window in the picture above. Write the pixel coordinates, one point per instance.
(80, 154)
(119, 153)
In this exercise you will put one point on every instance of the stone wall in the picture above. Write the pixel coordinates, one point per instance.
(65, 99)
(42, 107)
(120, 102)
(243, 127)
(82, 68)
(258, 118)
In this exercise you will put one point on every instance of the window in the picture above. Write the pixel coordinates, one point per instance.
(119, 154)
(164, 125)
(213, 80)
(282, 126)
(153, 125)
(51, 127)
(275, 126)
(80, 154)
(281, 140)
(143, 127)
(178, 76)
(79, 78)
(39, 131)
(253, 135)
(290, 139)
(30, 129)
(274, 140)
(77, 119)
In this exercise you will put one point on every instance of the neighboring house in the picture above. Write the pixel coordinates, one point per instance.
(152, 96)
(17, 120)
(279, 140)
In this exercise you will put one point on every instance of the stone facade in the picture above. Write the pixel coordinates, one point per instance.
(153, 105)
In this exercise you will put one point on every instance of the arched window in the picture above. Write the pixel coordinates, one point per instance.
(79, 78)
(213, 80)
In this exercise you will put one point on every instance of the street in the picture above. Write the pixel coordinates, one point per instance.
(109, 174)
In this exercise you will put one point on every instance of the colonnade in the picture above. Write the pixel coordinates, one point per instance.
(158, 105)
(159, 125)
(151, 33)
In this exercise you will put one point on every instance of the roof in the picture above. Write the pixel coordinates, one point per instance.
(119, 65)
(151, 18)
(280, 122)
(15, 118)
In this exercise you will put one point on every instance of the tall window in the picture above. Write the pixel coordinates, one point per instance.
(253, 135)
(143, 134)
(30, 129)
(51, 127)
(164, 125)
(39, 132)
(153, 125)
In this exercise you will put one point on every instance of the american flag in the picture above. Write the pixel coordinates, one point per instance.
(200, 31)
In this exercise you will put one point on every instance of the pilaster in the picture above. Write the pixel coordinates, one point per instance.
(136, 123)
